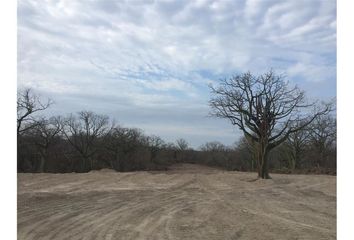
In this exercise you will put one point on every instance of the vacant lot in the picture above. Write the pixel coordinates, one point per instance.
(187, 202)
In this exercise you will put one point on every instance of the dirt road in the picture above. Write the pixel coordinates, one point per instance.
(188, 202)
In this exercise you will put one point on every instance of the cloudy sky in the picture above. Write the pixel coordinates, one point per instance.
(148, 63)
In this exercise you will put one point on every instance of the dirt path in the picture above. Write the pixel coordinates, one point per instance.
(187, 202)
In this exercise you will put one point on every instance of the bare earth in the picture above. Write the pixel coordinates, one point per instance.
(188, 202)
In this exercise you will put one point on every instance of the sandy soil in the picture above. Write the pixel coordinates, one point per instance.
(188, 202)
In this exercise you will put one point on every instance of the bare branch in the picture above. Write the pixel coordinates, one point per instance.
(29, 103)
(264, 107)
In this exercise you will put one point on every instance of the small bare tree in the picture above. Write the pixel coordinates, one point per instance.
(28, 103)
(83, 132)
(265, 108)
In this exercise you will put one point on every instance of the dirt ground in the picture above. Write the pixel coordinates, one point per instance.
(187, 202)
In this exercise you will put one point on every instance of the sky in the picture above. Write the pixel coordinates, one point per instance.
(147, 64)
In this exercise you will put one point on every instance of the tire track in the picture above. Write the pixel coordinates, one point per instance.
(179, 205)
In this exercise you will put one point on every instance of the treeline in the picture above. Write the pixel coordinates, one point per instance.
(311, 150)
(88, 141)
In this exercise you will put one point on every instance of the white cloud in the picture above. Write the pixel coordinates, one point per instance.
(312, 72)
(165, 52)
(168, 84)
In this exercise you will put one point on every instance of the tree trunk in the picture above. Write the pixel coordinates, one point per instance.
(297, 157)
(292, 159)
(116, 162)
(85, 164)
(121, 162)
(41, 164)
(42, 161)
(262, 158)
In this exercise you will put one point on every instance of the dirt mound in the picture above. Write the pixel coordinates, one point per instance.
(194, 202)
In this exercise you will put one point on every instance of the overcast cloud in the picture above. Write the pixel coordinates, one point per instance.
(148, 63)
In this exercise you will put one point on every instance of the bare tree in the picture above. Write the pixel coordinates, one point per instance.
(28, 103)
(182, 144)
(214, 146)
(44, 133)
(323, 132)
(83, 132)
(155, 144)
(120, 142)
(295, 145)
(246, 151)
(112, 143)
(170, 146)
(264, 107)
